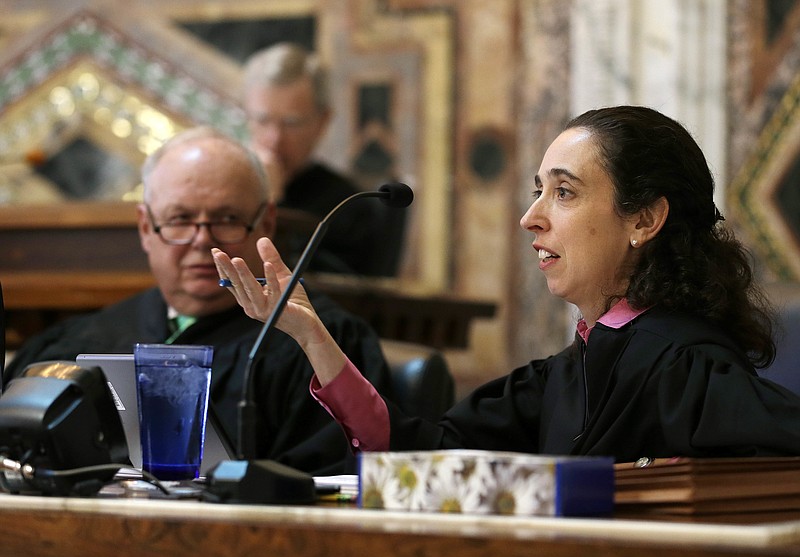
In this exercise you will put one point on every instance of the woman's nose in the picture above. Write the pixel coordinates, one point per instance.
(532, 219)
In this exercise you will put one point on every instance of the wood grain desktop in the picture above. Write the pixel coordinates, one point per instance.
(42, 526)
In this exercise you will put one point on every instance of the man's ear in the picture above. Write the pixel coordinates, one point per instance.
(651, 220)
(269, 220)
(144, 226)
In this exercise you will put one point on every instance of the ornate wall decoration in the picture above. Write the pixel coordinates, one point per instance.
(765, 194)
(119, 80)
(773, 25)
(764, 146)
(87, 79)
(406, 49)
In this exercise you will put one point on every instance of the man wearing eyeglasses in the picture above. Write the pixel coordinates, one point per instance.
(204, 190)
(200, 192)
(287, 102)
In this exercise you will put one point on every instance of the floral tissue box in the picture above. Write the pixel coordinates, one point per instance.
(486, 482)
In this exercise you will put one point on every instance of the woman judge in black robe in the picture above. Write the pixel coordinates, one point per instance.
(672, 327)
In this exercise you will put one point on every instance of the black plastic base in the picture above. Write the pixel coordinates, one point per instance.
(259, 482)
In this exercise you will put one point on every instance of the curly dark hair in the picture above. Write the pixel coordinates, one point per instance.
(694, 264)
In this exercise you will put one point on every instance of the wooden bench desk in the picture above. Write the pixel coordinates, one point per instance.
(44, 526)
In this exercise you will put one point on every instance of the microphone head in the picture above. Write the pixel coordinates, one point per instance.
(397, 195)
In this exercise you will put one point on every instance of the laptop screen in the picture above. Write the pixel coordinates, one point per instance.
(2, 338)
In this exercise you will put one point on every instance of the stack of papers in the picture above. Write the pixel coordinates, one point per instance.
(342, 489)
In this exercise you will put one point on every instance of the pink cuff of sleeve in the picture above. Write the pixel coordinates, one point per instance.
(355, 404)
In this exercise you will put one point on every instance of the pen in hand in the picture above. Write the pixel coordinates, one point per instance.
(226, 283)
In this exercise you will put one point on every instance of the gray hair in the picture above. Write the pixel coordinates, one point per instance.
(194, 134)
(285, 63)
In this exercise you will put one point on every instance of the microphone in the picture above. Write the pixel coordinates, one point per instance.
(394, 194)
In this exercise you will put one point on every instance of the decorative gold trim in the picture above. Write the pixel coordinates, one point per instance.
(83, 99)
(753, 191)
(241, 9)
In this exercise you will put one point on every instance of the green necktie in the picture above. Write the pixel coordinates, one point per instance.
(177, 325)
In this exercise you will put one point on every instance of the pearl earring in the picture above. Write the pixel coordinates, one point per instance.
(634, 243)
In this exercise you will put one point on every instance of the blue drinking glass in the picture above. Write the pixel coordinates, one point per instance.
(172, 386)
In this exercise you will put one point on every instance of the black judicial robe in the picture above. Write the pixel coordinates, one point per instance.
(293, 428)
(661, 386)
(354, 242)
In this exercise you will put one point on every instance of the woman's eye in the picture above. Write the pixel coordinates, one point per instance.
(562, 192)
(536, 194)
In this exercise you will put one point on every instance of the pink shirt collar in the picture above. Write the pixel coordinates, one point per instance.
(619, 315)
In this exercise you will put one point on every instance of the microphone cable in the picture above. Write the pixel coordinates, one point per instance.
(30, 475)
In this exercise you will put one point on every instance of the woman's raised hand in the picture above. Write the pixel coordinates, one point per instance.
(298, 320)
(259, 301)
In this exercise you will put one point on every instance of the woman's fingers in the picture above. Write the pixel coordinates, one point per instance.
(259, 300)
(256, 300)
(269, 254)
(224, 267)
